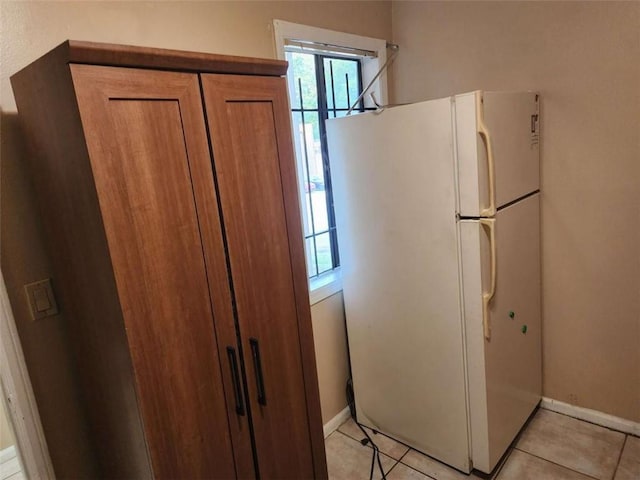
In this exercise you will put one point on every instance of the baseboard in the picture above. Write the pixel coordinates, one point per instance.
(592, 416)
(333, 424)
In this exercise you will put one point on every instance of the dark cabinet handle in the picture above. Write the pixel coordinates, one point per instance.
(235, 375)
(257, 367)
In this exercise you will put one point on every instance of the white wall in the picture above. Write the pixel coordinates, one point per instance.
(584, 58)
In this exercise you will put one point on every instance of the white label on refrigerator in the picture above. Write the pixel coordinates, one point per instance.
(535, 130)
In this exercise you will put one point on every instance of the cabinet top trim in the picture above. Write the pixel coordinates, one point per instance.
(73, 51)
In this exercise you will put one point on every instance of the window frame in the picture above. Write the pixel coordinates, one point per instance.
(323, 112)
(329, 283)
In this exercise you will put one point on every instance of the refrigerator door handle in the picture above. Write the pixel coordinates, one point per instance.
(490, 223)
(490, 211)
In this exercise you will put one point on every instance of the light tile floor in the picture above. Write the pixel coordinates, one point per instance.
(552, 446)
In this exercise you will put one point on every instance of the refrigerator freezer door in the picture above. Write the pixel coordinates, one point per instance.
(505, 371)
(510, 125)
(394, 195)
(512, 119)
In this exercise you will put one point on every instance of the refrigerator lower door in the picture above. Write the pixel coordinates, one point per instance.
(504, 360)
(395, 209)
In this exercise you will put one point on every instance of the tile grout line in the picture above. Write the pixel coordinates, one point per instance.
(615, 470)
(514, 442)
(359, 440)
(404, 455)
(391, 469)
(375, 432)
(409, 449)
(503, 463)
(420, 471)
(557, 464)
(372, 450)
(416, 470)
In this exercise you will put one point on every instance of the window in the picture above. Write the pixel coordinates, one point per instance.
(327, 71)
(322, 87)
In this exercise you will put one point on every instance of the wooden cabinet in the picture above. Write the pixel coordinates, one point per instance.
(168, 192)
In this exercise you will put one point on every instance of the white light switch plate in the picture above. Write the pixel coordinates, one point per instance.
(42, 302)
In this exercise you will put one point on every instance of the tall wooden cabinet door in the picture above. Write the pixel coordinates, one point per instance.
(147, 142)
(250, 131)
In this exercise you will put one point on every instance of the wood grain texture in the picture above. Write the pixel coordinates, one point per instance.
(136, 236)
(94, 53)
(204, 189)
(84, 280)
(249, 124)
(141, 144)
(291, 203)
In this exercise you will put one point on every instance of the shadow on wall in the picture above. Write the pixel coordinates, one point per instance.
(45, 342)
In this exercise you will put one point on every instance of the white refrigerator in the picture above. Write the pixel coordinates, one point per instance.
(438, 220)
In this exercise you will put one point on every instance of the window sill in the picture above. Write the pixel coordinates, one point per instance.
(324, 286)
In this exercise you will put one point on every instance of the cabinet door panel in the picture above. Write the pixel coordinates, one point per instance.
(146, 139)
(250, 133)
